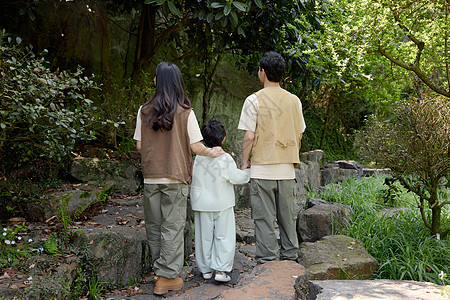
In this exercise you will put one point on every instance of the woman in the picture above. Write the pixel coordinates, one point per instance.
(166, 133)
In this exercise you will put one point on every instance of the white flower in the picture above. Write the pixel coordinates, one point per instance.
(30, 240)
(4, 229)
(19, 238)
(7, 242)
(4, 233)
(13, 242)
(442, 275)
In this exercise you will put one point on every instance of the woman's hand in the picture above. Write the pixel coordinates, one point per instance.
(216, 151)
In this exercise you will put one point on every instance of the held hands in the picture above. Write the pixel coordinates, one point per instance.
(245, 165)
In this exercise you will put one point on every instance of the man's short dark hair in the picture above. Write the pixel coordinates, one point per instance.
(273, 64)
(213, 133)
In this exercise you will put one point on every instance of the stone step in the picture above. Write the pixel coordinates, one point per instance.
(375, 290)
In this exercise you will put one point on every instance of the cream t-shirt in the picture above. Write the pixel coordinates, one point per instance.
(194, 133)
(248, 121)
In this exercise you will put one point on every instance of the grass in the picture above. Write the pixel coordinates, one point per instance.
(402, 245)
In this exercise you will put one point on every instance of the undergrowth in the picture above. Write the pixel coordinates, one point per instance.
(396, 238)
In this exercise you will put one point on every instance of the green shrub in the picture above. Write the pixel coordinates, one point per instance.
(415, 144)
(400, 242)
(43, 114)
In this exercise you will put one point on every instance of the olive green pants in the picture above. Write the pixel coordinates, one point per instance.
(274, 200)
(165, 217)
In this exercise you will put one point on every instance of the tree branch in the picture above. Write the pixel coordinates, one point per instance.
(444, 203)
(407, 185)
(414, 68)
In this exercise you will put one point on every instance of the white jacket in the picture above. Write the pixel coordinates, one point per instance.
(212, 182)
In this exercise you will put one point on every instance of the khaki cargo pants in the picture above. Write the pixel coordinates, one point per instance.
(165, 217)
(274, 200)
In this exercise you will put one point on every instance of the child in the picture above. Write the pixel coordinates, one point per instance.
(166, 132)
(212, 198)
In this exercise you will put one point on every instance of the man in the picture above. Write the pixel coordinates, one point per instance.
(273, 122)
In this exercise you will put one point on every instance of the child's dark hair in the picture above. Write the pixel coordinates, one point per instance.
(213, 133)
(273, 64)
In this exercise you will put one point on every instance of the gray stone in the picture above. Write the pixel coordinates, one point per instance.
(73, 201)
(316, 201)
(321, 220)
(375, 290)
(336, 257)
(317, 156)
(243, 262)
(330, 175)
(119, 253)
(122, 175)
(308, 177)
(372, 172)
(348, 164)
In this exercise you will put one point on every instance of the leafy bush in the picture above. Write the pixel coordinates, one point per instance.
(42, 113)
(415, 144)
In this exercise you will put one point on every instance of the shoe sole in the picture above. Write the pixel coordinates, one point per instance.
(226, 279)
(162, 291)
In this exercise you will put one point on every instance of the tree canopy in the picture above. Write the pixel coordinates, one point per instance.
(410, 35)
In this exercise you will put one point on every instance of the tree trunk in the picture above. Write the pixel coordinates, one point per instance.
(208, 83)
(145, 41)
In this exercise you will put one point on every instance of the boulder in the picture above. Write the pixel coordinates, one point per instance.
(336, 257)
(123, 176)
(119, 253)
(308, 177)
(73, 202)
(317, 156)
(374, 290)
(330, 174)
(322, 219)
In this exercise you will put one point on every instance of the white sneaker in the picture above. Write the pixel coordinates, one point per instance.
(207, 276)
(222, 277)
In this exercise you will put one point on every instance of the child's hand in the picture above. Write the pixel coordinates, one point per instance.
(245, 165)
(216, 151)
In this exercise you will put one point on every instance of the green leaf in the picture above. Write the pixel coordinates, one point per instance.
(209, 17)
(241, 31)
(173, 8)
(239, 5)
(259, 3)
(219, 15)
(227, 10)
(3, 125)
(160, 2)
(149, 1)
(217, 5)
(31, 15)
(201, 15)
(234, 18)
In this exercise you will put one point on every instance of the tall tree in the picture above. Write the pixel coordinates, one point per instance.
(411, 35)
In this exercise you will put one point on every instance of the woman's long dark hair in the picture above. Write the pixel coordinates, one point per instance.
(169, 94)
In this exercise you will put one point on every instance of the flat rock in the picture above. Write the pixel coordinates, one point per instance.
(374, 290)
(336, 257)
(272, 280)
